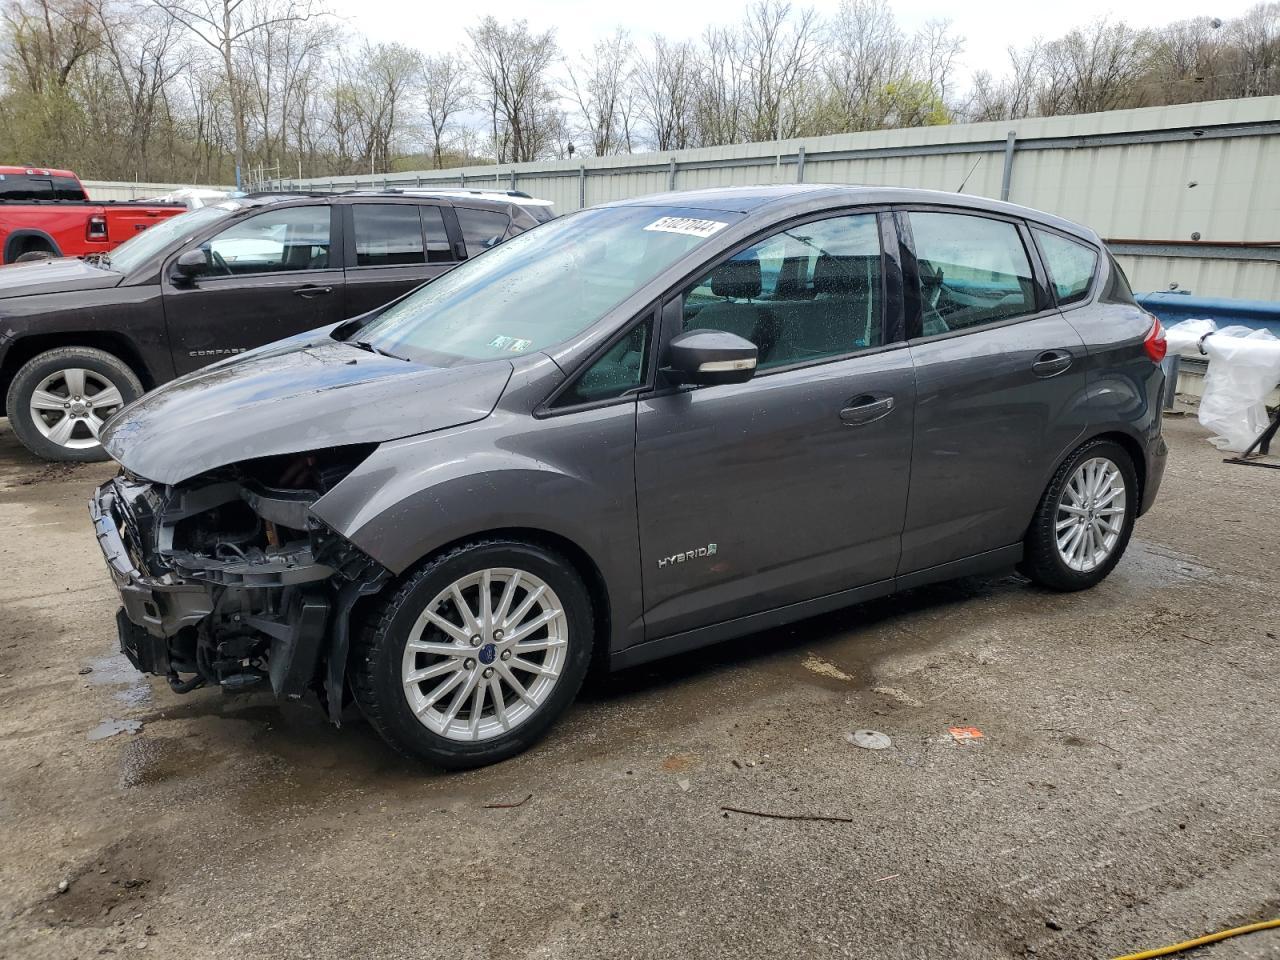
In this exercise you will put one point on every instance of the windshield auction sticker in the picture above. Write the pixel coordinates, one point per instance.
(687, 226)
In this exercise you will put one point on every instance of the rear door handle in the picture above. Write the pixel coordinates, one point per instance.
(1051, 363)
(311, 290)
(866, 409)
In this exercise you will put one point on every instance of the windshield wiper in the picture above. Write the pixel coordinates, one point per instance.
(366, 345)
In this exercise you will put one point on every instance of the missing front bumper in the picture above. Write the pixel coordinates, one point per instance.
(235, 623)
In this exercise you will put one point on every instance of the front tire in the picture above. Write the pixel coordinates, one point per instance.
(1085, 518)
(477, 652)
(59, 400)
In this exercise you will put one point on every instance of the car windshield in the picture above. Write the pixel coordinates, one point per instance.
(541, 287)
(140, 248)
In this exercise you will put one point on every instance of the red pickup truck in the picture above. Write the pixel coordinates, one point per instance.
(46, 213)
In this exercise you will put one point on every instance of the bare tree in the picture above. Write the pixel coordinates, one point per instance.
(1256, 38)
(867, 54)
(47, 38)
(446, 92)
(140, 48)
(600, 88)
(512, 66)
(665, 88)
(779, 55)
(225, 25)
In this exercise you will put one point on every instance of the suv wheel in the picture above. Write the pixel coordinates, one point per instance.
(1084, 520)
(59, 400)
(476, 653)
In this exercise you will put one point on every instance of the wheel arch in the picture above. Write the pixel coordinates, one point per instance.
(1126, 441)
(19, 242)
(27, 348)
(577, 556)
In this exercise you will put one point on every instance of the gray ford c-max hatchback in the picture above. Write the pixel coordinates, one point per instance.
(629, 432)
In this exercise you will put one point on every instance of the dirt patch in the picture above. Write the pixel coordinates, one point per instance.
(118, 881)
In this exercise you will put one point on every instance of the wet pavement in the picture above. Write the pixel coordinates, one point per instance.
(1124, 794)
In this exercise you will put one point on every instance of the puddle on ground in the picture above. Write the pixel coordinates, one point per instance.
(147, 761)
(1148, 565)
(110, 727)
(116, 670)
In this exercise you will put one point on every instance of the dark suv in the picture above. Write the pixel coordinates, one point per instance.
(638, 429)
(80, 338)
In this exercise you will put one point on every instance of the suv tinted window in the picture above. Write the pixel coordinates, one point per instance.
(19, 186)
(482, 229)
(439, 249)
(296, 238)
(1070, 265)
(388, 234)
(809, 292)
(623, 367)
(973, 271)
(65, 188)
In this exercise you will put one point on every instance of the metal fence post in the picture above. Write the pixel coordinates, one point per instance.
(800, 164)
(513, 178)
(671, 175)
(1171, 365)
(1010, 145)
(582, 186)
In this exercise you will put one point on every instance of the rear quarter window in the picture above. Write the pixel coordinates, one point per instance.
(482, 229)
(1071, 265)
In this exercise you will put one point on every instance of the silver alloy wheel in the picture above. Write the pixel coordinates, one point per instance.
(69, 406)
(485, 654)
(1090, 514)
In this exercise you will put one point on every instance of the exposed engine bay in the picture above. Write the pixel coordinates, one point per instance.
(229, 579)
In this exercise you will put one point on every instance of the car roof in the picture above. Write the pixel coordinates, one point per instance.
(780, 200)
(35, 171)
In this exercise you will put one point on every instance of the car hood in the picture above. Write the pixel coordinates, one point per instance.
(292, 400)
(63, 275)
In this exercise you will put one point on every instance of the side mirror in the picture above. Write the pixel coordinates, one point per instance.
(710, 357)
(190, 265)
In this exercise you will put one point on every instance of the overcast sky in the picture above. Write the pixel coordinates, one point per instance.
(988, 26)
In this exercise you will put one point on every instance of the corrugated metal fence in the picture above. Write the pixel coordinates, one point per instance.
(120, 190)
(1187, 195)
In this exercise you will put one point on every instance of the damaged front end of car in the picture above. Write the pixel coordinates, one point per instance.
(229, 579)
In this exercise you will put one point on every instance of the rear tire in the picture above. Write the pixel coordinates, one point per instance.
(461, 696)
(1085, 518)
(32, 255)
(72, 391)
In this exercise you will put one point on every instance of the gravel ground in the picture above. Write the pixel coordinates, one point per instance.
(1125, 793)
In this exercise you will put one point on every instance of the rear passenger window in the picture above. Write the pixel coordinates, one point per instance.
(623, 367)
(1070, 264)
(482, 229)
(973, 271)
(67, 188)
(388, 235)
(807, 293)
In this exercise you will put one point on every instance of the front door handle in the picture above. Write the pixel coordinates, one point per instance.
(311, 290)
(1051, 363)
(866, 409)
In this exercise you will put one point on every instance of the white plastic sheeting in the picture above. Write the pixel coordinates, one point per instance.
(1244, 366)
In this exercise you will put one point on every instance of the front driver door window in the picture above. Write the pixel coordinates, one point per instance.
(809, 293)
(798, 477)
(293, 239)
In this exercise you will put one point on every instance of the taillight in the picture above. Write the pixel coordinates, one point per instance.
(97, 229)
(1155, 344)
